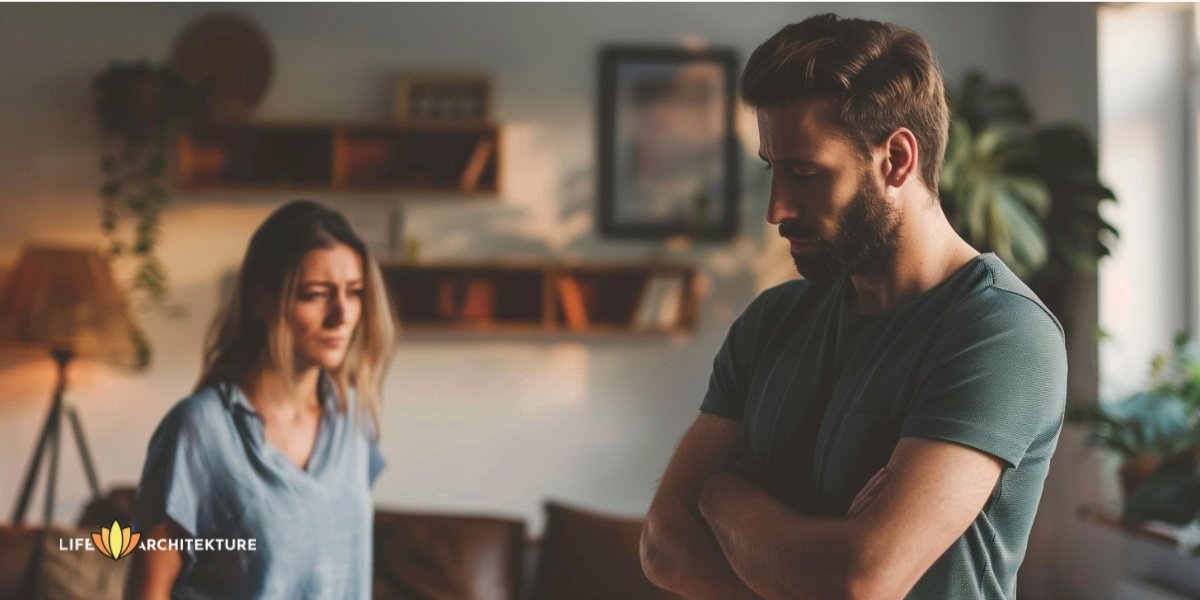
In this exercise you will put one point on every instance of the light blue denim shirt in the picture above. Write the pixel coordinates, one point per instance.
(210, 469)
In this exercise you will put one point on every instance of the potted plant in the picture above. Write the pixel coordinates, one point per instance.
(1029, 193)
(1156, 432)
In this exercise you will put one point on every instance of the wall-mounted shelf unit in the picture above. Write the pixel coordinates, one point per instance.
(649, 298)
(351, 157)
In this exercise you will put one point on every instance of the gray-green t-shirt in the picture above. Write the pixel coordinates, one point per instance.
(824, 394)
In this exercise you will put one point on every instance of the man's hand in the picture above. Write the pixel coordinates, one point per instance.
(678, 551)
(867, 495)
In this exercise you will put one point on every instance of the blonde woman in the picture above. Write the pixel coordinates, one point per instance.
(278, 443)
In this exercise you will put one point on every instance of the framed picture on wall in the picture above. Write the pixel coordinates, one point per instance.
(668, 153)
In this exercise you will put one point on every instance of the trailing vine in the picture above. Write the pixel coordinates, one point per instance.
(140, 107)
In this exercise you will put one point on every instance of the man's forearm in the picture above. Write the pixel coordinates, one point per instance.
(775, 551)
(681, 555)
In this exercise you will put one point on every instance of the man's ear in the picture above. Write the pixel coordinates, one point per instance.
(902, 157)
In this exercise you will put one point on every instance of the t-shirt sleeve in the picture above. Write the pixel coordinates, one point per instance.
(377, 462)
(733, 366)
(174, 477)
(995, 379)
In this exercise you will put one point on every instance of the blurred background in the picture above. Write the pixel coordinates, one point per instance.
(563, 274)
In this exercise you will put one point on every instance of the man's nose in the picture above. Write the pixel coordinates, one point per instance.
(780, 208)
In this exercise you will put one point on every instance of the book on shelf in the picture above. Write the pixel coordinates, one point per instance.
(570, 296)
(478, 301)
(671, 307)
(476, 164)
(661, 302)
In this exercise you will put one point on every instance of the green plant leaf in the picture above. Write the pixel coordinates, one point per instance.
(1022, 232)
(1030, 192)
(999, 167)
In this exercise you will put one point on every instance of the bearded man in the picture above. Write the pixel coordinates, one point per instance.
(883, 427)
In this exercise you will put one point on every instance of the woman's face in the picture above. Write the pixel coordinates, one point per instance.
(327, 305)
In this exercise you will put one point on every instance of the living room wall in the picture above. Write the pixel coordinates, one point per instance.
(474, 424)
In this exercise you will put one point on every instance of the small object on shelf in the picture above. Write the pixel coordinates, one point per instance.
(233, 55)
(412, 249)
(443, 97)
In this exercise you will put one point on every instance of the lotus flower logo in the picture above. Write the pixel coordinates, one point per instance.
(115, 542)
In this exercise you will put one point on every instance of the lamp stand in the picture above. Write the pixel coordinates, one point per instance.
(49, 441)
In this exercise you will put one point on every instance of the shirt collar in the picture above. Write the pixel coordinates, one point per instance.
(233, 397)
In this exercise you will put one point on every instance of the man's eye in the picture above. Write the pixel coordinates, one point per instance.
(796, 175)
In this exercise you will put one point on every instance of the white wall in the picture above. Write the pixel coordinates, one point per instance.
(1144, 122)
(1143, 297)
(481, 424)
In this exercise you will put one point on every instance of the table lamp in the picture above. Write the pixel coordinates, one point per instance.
(65, 301)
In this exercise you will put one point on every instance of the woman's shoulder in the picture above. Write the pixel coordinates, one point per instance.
(194, 413)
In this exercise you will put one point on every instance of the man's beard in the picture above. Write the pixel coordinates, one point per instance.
(868, 231)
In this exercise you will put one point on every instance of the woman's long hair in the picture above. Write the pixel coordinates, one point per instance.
(250, 334)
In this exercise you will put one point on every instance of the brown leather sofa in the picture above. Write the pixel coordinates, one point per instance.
(582, 555)
(446, 556)
(17, 552)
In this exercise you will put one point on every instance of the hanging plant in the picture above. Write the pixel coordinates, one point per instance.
(140, 107)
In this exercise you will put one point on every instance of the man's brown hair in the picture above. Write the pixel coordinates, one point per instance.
(879, 76)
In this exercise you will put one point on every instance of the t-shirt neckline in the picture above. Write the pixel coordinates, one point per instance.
(847, 285)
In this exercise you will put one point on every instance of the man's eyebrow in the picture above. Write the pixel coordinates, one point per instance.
(802, 162)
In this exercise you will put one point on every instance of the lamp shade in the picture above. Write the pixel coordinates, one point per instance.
(67, 299)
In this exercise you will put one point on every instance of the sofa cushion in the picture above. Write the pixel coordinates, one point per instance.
(590, 556)
(434, 557)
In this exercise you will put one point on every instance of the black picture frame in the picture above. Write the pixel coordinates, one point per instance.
(668, 153)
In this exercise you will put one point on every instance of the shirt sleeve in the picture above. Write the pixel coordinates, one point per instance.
(174, 477)
(369, 428)
(733, 366)
(995, 379)
(377, 463)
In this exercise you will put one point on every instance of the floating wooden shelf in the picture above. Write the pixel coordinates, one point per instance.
(652, 298)
(352, 157)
